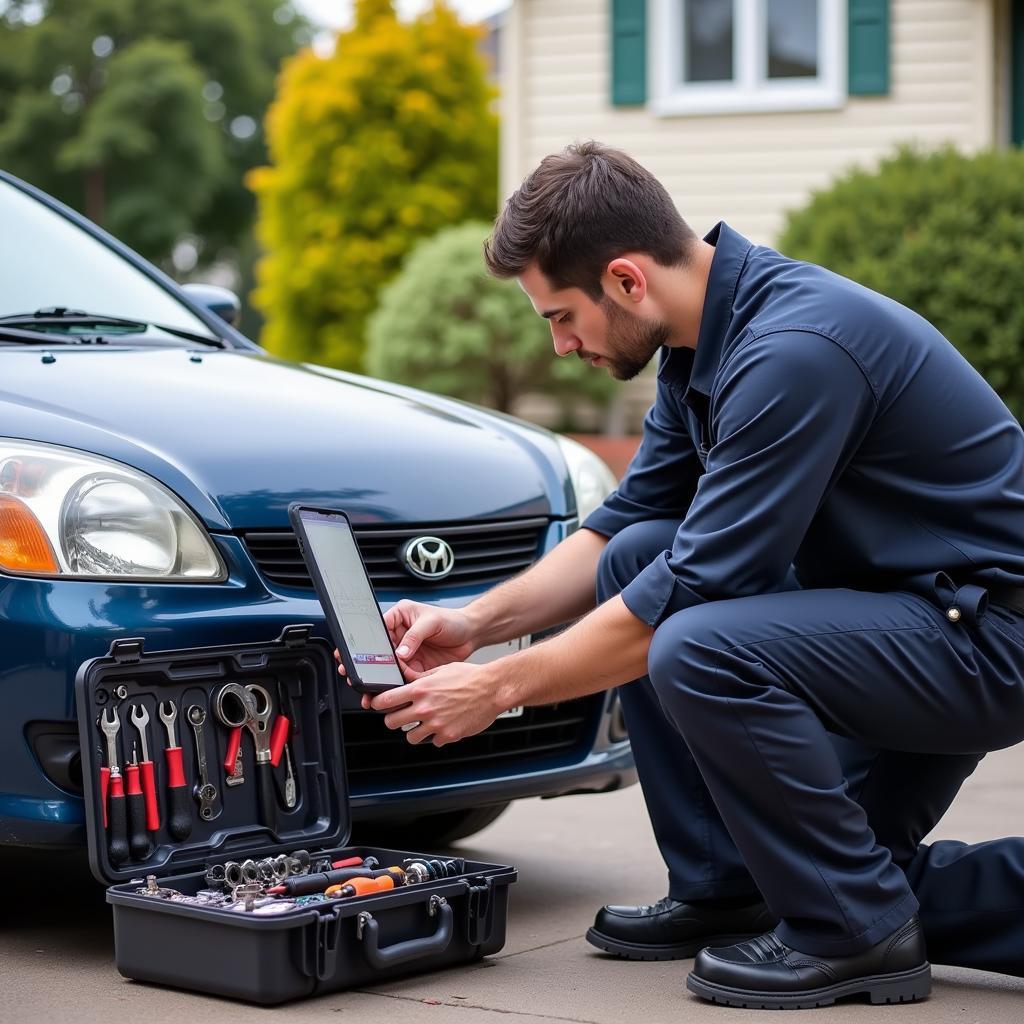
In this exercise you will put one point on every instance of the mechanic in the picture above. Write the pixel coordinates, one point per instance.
(809, 586)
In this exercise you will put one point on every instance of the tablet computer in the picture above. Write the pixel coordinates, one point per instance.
(332, 557)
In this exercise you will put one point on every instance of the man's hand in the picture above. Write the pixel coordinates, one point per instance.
(426, 637)
(449, 703)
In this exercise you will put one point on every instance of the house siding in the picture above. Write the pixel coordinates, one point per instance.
(746, 168)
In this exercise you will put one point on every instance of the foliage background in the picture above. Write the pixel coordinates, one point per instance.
(144, 114)
(445, 325)
(383, 143)
(941, 232)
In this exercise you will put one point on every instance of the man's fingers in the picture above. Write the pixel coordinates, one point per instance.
(366, 702)
(421, 734)
(404, 716)
(421, 630)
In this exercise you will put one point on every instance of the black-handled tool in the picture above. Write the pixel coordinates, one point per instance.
(138, 839)
(267, 793)
(117, 817)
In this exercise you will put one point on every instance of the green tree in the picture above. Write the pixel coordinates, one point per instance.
(941, 232)
(445, 325)
(143, 114)
(383, 143)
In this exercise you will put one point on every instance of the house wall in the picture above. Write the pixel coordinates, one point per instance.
(747, 168)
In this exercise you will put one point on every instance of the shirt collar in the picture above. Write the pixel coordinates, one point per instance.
(731, 250)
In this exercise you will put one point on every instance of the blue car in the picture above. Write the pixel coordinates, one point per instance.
(148, 454)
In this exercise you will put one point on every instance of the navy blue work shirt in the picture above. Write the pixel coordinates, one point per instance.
(822, 426)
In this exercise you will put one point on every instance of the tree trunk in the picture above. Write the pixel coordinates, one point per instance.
(95, 195)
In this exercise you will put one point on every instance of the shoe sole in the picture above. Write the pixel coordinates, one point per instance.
(905, 987)
(645, 951)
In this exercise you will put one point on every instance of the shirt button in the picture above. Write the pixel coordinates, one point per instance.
(953, 614)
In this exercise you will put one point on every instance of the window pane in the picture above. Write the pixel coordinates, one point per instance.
(792, 38)
(708, 25)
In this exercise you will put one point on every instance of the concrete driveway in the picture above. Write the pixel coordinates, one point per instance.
(56, 949)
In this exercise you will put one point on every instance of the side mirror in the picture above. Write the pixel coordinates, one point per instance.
(218, 300)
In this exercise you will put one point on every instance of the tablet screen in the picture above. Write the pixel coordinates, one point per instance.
(355, 606)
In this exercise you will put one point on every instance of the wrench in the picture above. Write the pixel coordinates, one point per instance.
(147, 773)
(179, 819)
(118, 814)
(168, 718)
(140, 719)
(205, 791)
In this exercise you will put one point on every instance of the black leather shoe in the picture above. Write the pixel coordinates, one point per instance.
(670, 930)
(766, 974)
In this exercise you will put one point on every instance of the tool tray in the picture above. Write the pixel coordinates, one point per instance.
(251, 954)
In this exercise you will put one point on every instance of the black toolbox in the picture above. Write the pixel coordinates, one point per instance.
(265, 825)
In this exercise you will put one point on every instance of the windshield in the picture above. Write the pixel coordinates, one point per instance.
(46, 261)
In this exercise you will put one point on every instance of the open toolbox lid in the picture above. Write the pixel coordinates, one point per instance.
(296, 671)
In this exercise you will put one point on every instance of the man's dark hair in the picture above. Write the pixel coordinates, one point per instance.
(579, 210)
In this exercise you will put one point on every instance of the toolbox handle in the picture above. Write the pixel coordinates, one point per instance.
(368, 931)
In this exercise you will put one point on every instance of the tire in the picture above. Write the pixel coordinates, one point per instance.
(429, 831)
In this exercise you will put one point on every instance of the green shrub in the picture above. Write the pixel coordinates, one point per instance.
(443, 324)
(941, 232)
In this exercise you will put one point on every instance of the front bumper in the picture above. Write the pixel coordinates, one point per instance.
(49, 628)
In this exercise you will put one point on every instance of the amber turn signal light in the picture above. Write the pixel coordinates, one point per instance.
(24, 546)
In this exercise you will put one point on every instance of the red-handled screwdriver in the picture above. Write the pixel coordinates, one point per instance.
(179, 820)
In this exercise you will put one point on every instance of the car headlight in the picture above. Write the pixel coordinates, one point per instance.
(66, 513)
(592, 480)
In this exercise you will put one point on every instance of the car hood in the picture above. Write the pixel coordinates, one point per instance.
(239, 435)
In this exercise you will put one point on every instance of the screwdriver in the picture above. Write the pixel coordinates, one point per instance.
(361, 887)
(306, 885)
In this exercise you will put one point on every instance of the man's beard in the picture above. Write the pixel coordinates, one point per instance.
(633, 341)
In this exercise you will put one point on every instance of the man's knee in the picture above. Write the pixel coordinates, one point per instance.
(629, 552)
(683, 657)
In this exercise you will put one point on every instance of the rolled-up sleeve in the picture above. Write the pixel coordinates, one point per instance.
(788, 411)
(662, 478)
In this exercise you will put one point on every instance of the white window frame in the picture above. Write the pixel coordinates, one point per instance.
(751, 91)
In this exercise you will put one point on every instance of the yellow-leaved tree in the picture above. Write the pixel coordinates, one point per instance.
(391, 138)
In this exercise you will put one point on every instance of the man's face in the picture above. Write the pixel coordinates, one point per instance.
(602, 333)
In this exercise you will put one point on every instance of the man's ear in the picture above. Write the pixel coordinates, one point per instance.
(625, 280)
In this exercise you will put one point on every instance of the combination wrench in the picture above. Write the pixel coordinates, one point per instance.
(205, 791)
(117, 813)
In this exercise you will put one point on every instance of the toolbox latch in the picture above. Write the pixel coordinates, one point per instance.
(328, 935)
(480, 910)
(125, 651)
(295, 636)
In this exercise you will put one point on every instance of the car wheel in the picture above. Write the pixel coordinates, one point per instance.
(430, 830)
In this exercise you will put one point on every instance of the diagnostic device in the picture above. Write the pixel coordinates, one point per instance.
(332, 557)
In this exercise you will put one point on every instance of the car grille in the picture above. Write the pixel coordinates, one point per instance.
(545, 737)
(484, 552)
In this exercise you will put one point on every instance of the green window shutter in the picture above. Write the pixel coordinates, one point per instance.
(869, 47)
(629, 52)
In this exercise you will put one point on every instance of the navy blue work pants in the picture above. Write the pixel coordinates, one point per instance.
(801, 744)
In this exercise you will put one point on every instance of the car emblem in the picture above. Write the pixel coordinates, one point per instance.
(430, 558)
